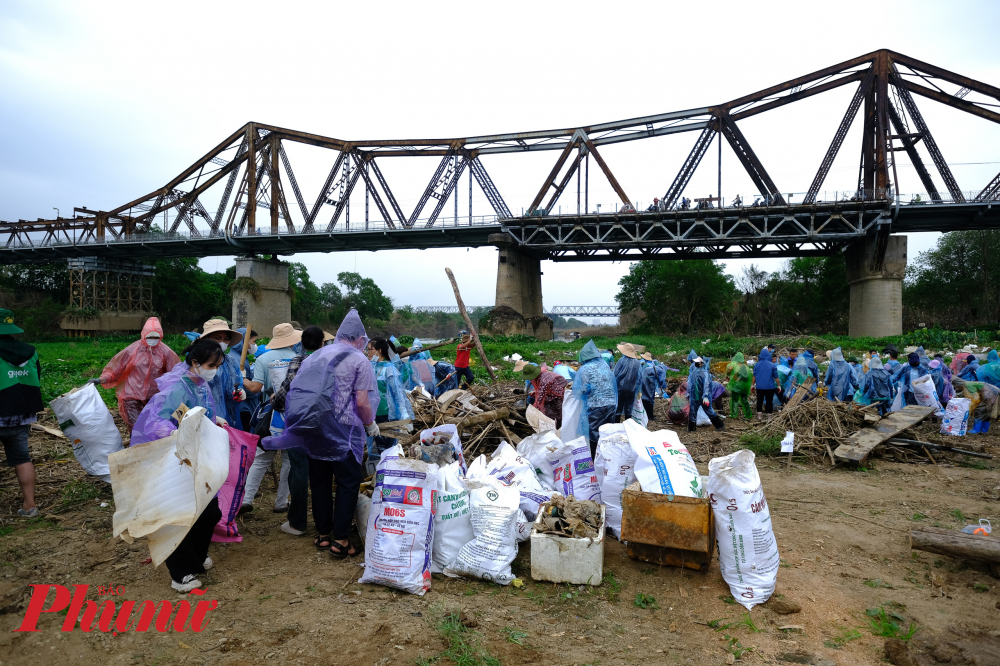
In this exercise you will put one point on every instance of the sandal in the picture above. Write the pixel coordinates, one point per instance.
(320, 540)
(342, 552)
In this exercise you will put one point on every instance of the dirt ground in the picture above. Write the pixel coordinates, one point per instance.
(843, 535)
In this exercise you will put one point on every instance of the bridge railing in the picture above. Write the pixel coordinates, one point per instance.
(790, 198)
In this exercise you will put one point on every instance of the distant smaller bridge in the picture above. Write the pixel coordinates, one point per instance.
(560, 310)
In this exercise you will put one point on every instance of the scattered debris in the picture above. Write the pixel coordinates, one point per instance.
(567, 516)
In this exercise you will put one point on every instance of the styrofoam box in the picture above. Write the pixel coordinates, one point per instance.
(566, 560)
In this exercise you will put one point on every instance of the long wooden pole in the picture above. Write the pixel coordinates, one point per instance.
(468, 322)
(246, 344)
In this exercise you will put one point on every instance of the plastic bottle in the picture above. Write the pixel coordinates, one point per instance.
(983, 528)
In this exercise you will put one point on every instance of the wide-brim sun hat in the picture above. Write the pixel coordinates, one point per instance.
(628, 349)
(220, 325)
(327, 336)
(283, 335)
(639, 349)
(530, 371)
(7, 326)
(647, 356)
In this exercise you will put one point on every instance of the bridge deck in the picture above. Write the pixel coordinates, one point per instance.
(777, 231)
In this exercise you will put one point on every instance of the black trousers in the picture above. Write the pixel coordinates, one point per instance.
(334, 518)
(596, 417)
(625, 401)
(465, 372)
(764, 398)
(189, 556)
(648, 406)
(298, 488)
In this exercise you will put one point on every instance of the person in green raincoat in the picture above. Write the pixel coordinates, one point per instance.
(740, 381)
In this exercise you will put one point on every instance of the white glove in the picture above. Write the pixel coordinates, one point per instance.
(372, 429)
(240, 396)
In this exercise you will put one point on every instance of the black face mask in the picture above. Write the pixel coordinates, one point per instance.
(914, 364)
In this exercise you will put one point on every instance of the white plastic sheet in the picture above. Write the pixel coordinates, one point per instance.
(88, 424)
(161, 487)
(572, 410)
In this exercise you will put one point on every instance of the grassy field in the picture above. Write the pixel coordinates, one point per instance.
(68, 364)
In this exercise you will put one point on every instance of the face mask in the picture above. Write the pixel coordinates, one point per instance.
(152, 342)
(205, 373)
(253, 349)
(224, 345)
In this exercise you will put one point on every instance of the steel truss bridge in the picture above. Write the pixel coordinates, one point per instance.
(243, 197)
(560, 310)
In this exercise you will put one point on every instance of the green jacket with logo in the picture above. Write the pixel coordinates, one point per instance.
(20, 375)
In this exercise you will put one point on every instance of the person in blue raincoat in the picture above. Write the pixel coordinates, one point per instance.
(661, 379)
(421, 370)
(563, 371)
(649, 384)
(785, 378)
(765, 378)
(227, 384)
(990, 372)
(907, 374)
(970, 373)
(394, 404)
(595, 386)
(877, 385)
(839, 378)
(445, 377)
(628, 374)
(856, 369)
(811, 363)
(700, 392)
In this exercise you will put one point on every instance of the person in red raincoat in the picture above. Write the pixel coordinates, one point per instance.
(134, 370)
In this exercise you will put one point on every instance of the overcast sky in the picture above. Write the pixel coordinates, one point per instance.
(105, 101)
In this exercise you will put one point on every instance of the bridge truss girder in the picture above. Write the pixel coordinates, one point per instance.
(254, 157)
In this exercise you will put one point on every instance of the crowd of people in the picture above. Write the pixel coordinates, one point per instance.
(316, 400)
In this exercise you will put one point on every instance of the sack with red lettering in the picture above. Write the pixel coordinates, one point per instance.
(748, 553)
(573, 470)
(400, 532)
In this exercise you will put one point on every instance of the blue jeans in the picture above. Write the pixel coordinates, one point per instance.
(15, 444)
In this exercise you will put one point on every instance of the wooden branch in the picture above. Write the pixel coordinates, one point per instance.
(480, 419)
(468, 322)
(423, 349)
(956, 544)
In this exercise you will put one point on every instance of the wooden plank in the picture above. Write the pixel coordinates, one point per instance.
(861, 443)
(800, 393)
(956, 544)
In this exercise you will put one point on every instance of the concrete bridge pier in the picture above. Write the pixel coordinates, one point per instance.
(261, 296)
(518, 305)
(876, 287)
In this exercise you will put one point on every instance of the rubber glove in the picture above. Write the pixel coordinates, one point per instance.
(372, 429)
(95, 380)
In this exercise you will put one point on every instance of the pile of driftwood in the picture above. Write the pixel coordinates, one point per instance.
(483, 415)
(819, 425)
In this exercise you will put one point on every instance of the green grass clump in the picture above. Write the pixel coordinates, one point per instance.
(888, 624)
(843, 637)
(464, 647)
(645, 601)
(760, 444)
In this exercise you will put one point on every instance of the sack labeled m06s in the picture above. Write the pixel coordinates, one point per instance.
(400, 531)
